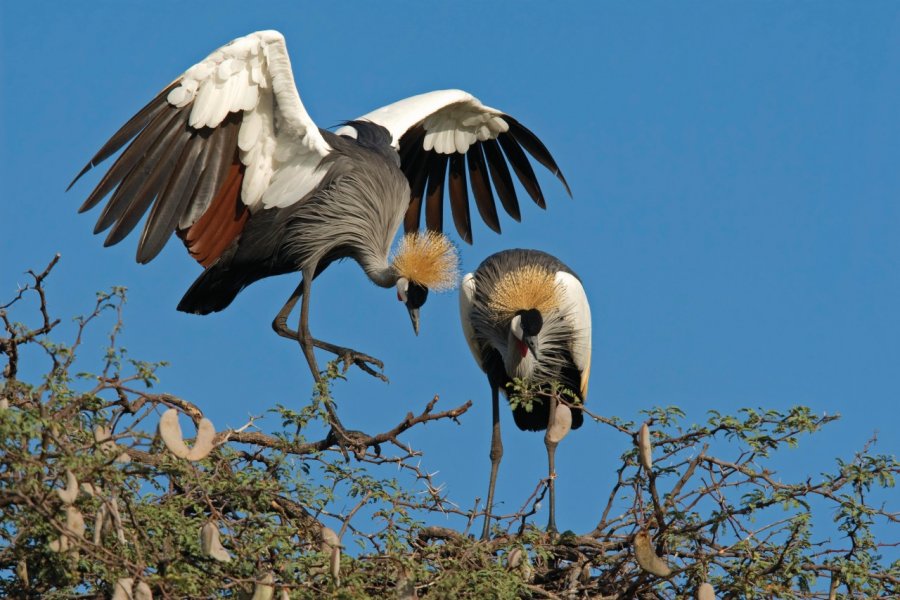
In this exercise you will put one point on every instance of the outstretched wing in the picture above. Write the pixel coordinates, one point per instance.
(451, 131)
(206, 152)
(578, 312)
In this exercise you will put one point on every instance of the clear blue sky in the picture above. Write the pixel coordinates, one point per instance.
(735, 219)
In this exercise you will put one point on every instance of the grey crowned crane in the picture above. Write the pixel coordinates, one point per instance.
(227, 158)
(526, 317)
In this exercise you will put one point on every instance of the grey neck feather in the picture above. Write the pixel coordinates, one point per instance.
(356, 215)
(379, 270)
(554, 340)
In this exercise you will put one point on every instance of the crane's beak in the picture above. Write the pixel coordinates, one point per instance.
(414, 317)
(532, 344)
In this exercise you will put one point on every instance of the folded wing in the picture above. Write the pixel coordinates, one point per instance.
(466, 303)
(448, 137)
(205, 153)
(578, 312)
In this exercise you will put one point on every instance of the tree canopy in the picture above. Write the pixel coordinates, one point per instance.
(102, 496)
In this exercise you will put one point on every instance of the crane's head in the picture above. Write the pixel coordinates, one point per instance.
(525, 327)
(413, 296)
(524, 297)
(423, 261)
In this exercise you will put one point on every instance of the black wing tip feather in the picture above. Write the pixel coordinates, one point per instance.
(536, 148)
(562, 179)
(125, 133)
(502, 179)
(81, 173)
(459, 197)
(491, 168)
(481, 187)
(517, 158)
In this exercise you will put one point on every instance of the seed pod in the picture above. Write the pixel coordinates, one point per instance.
(22, 572)
(170, 432)
(330, 542)
(59, 545)
(123, 458)
(103, 436)
(203, 444)
(514, 558)
(113, 507)
(335, 565)
(833, 586)
(99, 522)
(123, 589)
(644, 448)
(4, 404)
(142, 591)
(705, 592)
(405, 588)
(561, 424)
(647, 558)
(210, 544)
(527, 571)
(75, 521)
(518, 560)
(89, 489)
(328, 539)
(264, 590)
(70, 493)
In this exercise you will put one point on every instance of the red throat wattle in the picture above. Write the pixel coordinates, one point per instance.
(523, 348)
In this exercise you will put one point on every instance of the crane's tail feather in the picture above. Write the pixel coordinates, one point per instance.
(215, 289)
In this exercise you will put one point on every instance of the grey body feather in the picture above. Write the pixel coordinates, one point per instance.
(354, 213)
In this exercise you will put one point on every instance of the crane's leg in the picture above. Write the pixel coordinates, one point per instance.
(496, 455)
(346, 354)
(304, 337)
(280, 323)
(551, 462)
(339, 433)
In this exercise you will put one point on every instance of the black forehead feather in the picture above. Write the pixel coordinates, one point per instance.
(416, 295)
(532, 321)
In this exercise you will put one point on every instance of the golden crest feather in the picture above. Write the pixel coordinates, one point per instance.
(525, 288)
(428, 258)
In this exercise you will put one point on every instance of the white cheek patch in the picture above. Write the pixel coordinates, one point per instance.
(516, 327)
(402, 288)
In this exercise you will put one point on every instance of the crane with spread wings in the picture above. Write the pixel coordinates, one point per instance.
(228, 159)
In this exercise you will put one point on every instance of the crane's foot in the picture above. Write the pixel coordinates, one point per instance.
(347, 355)
(362, 361)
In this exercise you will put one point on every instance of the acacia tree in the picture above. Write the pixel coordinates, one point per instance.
(102, 497)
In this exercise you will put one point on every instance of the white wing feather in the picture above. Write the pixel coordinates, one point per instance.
(575, 304)
(453, 120)
(253, 74)
(466, 300)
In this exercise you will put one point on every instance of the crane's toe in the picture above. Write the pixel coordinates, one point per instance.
(363, 361)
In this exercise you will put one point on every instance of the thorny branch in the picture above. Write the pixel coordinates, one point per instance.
(718, 516)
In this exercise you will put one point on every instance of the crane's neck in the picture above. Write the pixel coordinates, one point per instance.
(379, 270)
